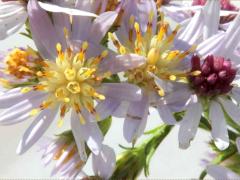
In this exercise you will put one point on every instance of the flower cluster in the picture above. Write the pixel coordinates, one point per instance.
(98, 60)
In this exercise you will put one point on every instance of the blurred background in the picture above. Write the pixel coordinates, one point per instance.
(168, 162)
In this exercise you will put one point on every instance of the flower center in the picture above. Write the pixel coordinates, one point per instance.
(21, 63)
(156, 47)
(217, 75)
(71, 81)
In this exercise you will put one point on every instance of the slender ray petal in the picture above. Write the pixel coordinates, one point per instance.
(121, 91)
(36, 130)
(166, 115)
(219, 126)
(232, 110)
(43, 31)
(12, 17)
(122, 63)
(70, 11)
(189, 125)
(136, 119)
(89, 132)
(101, 25)
(211, 18)
(104, 163)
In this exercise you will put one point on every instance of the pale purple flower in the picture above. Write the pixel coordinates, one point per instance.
(72, 83)
(137, 34)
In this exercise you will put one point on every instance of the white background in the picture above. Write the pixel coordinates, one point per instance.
(168, 162)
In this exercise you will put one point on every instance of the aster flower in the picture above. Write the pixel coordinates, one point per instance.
(63, 151)
(18, 65)
(13, 14)
(214, 88)
(72, 83)
(161, 60)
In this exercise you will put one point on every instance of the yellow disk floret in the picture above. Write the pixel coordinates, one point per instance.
(71, 81)
(156, 47)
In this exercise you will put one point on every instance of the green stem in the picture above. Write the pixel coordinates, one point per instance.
(132, 161)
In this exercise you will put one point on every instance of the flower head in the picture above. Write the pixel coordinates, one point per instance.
(217, 75)
(163, 63)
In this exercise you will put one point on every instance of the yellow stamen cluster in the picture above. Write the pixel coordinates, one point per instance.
(19, 63)
(71, 81)
(161, 60)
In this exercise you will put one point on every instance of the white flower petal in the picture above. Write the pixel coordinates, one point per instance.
(104, 163)
(36, 130)
(70, 11)
(219, 126)
(189, 125)
(232, 110)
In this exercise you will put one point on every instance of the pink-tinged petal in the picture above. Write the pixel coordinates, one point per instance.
(107, 107)
(211, 18)
(121, 91)
(70, 11)
(104, 163)
(88, 132)
(121, 63)
(219, 172)
(12, 17)
(43, 31)
(136, 119)
(219, 126)
(20, 111)
(166, 115)
(232, 109)
(36, 130)
(189, 125)
(101, 25)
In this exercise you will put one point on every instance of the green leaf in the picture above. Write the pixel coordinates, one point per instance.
(105, 124)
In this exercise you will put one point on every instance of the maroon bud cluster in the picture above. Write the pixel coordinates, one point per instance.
(217, 75)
